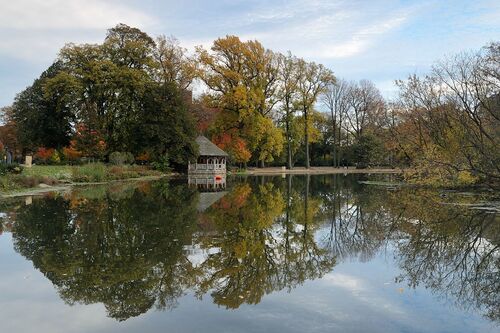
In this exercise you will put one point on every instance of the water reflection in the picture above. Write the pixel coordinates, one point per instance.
(133, 247)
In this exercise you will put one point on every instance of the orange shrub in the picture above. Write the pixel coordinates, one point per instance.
(44, 154)
(144, 157)
(71, 153)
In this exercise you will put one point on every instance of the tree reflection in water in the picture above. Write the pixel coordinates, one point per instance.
(132, 247)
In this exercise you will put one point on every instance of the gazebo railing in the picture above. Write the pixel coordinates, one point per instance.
(207, 167)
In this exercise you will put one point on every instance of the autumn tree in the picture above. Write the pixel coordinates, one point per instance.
(242, 78)
(8, 132)
(234, 145)
(450, 120)
(313, 81)
(174, 65)
(288, 95)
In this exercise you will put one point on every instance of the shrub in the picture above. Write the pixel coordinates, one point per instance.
(119, 158)
(92, 172)
(43, 155)
(133, 171)
(465, 178)
(116, 171)
(143, 158)
(161, 164)
(71, 154)
(3, 169)
(55, 158)
(13, 168)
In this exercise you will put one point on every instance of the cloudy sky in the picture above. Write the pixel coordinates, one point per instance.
(380, 40)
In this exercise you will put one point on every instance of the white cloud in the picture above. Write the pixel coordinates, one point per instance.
(35, 30)
(364, 292)
(361, 39)
(344, 281)
(322, 29)
(68, 14)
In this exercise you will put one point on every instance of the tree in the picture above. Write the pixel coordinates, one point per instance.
(8, 132)
(288, 94)
(42, 118)
(365, 106)
(449, 120)
(235, 146)
(336, 99)
(242, 78)
(166, 128)
(313, 81)
(127, 95)
(175, 67)
(89, 142)
(366, 150)
(259, 253)
(91, 236)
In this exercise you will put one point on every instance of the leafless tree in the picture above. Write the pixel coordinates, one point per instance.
(365, 104)
(336, 100)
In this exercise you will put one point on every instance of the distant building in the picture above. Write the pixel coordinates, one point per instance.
(211, 161)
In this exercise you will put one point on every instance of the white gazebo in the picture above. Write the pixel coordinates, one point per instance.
(211, 161)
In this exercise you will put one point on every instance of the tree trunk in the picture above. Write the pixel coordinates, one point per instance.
(306, 137)
(289, 145)
(334, 150)
(339, 160)
(306, 204)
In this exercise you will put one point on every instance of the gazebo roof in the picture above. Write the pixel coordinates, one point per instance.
(207, 148)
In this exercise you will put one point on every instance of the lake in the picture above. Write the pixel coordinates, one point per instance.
(319, 253)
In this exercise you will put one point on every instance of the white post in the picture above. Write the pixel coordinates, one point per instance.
(28, 161)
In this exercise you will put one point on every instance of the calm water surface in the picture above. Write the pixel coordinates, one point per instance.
(267, 254)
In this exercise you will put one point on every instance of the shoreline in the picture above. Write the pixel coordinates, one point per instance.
(67, 186)
(318, 171)
(249, 172)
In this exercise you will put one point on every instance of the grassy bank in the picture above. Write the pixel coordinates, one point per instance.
(54, 175)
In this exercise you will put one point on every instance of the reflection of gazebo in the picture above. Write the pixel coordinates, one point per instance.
(207, 182)
(212, 159)
(207, 199)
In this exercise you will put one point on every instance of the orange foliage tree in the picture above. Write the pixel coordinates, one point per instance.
(89, 142)
(235, 146)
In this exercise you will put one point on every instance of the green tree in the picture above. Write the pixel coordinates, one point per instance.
(125, 97)
(42, 118)
(166, 127)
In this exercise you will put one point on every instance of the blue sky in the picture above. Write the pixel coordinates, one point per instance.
(379, 40)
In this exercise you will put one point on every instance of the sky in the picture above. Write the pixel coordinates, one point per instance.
(378, 40)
